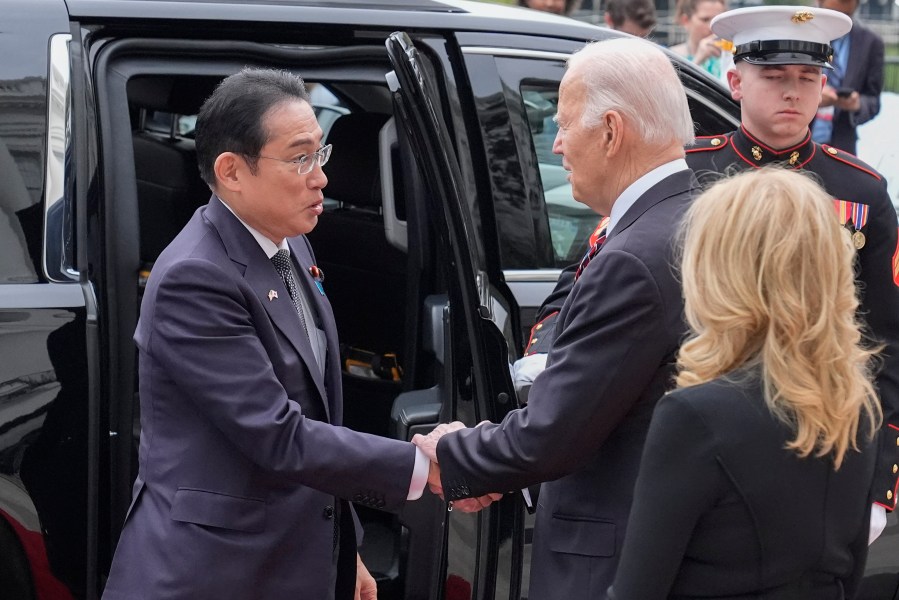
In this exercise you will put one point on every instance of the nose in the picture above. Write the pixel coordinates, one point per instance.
(317, 178)
(557, 142)
(791, 90)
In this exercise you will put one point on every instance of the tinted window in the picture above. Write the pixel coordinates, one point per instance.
(570, 222)
(22, 125)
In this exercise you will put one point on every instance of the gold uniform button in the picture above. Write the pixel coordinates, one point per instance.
(832, 150)
(539, 326)
(895, 468)
(897, 441)
(889, 495)
(715, 142)
(534, 341)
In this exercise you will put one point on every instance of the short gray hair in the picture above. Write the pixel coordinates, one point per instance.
(635, 78)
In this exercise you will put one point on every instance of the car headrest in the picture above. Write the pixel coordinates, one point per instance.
(173, 94)
(354, 168)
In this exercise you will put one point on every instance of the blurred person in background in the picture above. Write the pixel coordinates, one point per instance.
(851, 95)
(702, 46)
(558, 7)
(636, 17)
(755, 477)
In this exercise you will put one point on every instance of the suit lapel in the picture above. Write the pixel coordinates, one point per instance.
(300, 251)
(673, 185)
(262, 277)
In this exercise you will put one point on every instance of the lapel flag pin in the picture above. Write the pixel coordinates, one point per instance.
(319, 276)
(272, 294)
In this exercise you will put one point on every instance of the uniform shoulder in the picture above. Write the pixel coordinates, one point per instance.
(845, 158)
(708, 143)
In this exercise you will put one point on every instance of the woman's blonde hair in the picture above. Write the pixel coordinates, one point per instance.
(768, 282)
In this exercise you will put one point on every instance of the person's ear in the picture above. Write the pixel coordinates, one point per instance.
(613, 131)
(608, 19)
(735, 81)
(229, 168)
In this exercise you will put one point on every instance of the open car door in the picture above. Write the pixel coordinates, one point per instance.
(480, 556)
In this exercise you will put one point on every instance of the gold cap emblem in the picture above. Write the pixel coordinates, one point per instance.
(802, 16)
(756, 153)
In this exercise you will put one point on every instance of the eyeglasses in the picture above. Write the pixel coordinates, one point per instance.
(306, 162)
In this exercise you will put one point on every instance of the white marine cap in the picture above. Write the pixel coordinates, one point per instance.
(782, 35)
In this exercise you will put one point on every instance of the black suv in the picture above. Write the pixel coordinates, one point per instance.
(447, 221)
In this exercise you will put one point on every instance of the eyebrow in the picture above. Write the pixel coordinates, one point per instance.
(303, 140)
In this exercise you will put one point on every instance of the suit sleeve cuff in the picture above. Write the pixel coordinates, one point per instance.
(419, 475)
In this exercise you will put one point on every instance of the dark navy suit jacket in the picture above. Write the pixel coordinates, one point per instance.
(583, 429)
(241, 452)
(723, 510)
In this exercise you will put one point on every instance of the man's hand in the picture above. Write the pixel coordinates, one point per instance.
(434, 483)
(470, 505)
(828, 97)
(428, 445)
(850, 103)
(366, 587)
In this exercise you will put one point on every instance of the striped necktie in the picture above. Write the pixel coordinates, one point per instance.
(598, 238)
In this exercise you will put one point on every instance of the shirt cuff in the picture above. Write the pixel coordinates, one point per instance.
(878, 522)
(419, 475)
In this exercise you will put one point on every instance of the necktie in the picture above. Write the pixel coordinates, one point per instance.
(598, 237)
(281, 260)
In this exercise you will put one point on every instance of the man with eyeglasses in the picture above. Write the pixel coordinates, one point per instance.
(245, 472)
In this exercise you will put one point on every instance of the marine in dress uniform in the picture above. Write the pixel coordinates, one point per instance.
(784, 35)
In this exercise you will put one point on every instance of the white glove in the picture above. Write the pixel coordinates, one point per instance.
(526, 369)
(878, 522)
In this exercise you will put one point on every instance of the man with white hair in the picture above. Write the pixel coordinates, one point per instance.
(617, 332)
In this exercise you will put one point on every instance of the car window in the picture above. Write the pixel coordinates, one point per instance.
(570, 222)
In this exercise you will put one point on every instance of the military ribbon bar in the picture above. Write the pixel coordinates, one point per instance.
(854, 212)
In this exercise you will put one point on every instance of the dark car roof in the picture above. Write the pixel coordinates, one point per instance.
(460, 15)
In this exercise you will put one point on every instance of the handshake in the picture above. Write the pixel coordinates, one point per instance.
(428, 445)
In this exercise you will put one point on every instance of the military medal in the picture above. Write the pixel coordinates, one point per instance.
(854, 216)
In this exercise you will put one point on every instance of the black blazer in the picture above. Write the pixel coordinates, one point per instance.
(583, 429)
(864, 74)
(722, 509)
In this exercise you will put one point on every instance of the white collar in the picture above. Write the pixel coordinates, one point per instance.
(633, 192)
(268, 246)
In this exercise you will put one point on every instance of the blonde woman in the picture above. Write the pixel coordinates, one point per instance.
(755, 477)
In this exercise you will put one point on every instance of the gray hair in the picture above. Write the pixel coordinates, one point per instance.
(635, 78)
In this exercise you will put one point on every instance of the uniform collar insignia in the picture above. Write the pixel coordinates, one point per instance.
(756, 153)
